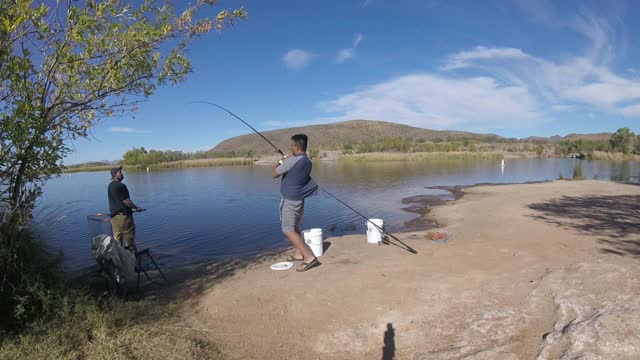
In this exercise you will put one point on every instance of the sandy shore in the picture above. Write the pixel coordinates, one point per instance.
(531, 271)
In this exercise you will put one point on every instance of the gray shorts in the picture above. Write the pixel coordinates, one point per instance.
(291, 212)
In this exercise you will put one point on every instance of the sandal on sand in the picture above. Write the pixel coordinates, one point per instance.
(293, 258)
(307, 266)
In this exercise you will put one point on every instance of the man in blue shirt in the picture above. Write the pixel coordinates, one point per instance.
(296, 185)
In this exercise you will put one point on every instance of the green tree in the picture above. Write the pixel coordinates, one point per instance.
(575, 146)
(539, 150)
(622, 140)
(134, 156)
(313, 153)
(66, 65)
(570, 146)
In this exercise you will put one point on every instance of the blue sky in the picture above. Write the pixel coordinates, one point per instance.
(514, 68)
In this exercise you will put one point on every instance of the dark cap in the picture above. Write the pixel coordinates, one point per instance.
(115, 170)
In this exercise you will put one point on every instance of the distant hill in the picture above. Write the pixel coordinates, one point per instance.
(336, 135)
(590, 137)
(557, 139)
(91, 164)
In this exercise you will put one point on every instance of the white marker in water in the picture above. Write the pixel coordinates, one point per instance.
(502, 166)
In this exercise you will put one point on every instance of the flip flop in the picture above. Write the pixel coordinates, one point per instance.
(307, 266)
(293, 258)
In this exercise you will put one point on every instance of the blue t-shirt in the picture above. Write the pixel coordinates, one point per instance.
(296, 183)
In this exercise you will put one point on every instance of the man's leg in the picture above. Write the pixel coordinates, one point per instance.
(301, 247)
(116, 226)
(129, 233)
(290, 218)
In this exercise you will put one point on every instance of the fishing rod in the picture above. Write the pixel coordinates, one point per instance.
(244, 122)
(107, 214)
(385, 239)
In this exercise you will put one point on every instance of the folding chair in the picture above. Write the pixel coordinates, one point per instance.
(142, 268)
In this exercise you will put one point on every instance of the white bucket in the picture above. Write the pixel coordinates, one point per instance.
(313, 238)
(374, 236)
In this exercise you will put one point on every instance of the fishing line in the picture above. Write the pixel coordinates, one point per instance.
(244, 122)
(385, 240)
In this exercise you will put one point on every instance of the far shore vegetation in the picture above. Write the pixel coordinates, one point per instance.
(418, 156)
(622, 145)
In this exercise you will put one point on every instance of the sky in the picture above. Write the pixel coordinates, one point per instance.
(514, 68)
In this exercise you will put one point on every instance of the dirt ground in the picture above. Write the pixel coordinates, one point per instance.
(549, 270)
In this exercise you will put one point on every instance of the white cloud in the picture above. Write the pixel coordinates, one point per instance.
(502, 87)
(631, 110)
(357, 40)
(594, 20)
(599, 32)
(348, 53)
(586, 79)
(128, 130)
(561, 108)
(466, 58)
(297, 59)
(344, 55)
(439, 102)
(577, 79)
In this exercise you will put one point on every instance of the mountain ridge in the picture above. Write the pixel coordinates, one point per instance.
(338, 135)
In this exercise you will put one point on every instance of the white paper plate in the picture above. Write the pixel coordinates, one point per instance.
(286, 265)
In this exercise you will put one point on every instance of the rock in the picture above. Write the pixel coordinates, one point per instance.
(597, 314)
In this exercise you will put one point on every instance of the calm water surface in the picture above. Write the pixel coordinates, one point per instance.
(205, 214)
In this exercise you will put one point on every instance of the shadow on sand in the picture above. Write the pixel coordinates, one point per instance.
(615, 218)
(389, 348)
(194, 280)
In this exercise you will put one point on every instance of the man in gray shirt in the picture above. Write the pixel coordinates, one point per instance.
(296, 185)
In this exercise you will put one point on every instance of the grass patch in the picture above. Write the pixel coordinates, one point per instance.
(87, 168)
(170, 165)
(203, 163)
(42, 316)
(419, 156)
(602, 155)
(88, 328)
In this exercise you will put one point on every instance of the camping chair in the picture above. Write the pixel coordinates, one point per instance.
(141, 267)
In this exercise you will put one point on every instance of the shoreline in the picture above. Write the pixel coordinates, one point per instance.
(334, 156)
(518, 252)
(421, 205)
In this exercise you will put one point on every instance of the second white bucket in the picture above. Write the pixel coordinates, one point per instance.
(374, 235)
(313, 238)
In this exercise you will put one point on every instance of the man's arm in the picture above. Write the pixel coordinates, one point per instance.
(123, 194)
(130, 204)
(274, 173)
(280, 169)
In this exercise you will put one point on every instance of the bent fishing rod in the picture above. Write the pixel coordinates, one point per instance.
(386, 239)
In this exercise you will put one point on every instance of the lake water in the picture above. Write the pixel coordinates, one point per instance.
(204, 214)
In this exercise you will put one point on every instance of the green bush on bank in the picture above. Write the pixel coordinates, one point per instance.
(32, 284)
(86, 327)
(42, 316)
(395, 156)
